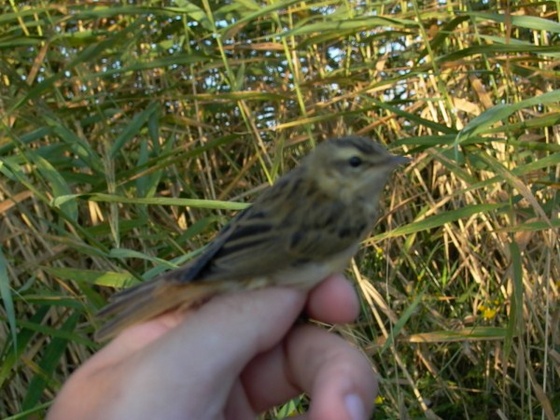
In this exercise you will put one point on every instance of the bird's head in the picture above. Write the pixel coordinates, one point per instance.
(352, 168)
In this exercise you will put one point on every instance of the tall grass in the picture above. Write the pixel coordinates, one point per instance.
(131, 131)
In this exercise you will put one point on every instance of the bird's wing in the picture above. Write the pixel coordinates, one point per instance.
(264, 239)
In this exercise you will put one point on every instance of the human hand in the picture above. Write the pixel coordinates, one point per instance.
(236, 356)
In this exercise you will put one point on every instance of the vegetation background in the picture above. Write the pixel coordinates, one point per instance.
(131, 130)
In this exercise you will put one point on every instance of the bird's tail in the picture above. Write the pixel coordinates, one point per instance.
(149, 299)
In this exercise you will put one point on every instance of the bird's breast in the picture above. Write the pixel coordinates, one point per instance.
(307, 274)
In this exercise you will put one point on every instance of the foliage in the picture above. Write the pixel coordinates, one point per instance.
(131, 130)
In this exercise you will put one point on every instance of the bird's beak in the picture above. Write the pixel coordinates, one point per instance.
(397, 160)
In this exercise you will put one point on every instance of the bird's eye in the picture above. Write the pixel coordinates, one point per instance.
(355, 161)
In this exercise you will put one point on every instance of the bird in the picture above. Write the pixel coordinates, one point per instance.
(303, 228)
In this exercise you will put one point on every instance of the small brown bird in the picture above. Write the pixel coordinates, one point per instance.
(305, 227)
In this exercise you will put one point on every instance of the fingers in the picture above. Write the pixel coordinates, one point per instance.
(135, 338)
(338, 378)
(193, 368)
(335, 375)
(260, 318)
(165, 368)
(333, 301)
(169, 366)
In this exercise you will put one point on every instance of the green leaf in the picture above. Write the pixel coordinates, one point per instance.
(130, 253)
(6, 293)
(349, 25)
(477, 333)
(167, 201)
(441, 219)
(48, 363)
(500, 112)
(100, 278)
(10, 358)
(529, 22)
(194, 12)
(399, 325)
(58, 185)
(133, 129)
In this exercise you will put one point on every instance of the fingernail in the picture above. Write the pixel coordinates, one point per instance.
(355, 407)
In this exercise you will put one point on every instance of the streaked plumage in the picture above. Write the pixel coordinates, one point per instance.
(305, 227)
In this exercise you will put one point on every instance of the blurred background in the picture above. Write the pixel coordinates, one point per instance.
(131, 131)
